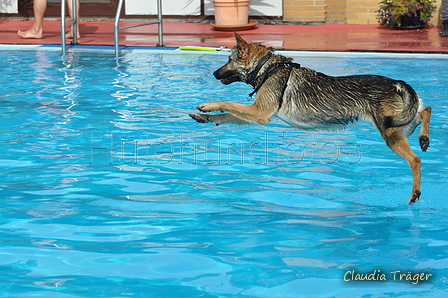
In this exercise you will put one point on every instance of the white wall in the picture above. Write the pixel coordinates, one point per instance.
(169, 7)
(193, 7)
(9, 6)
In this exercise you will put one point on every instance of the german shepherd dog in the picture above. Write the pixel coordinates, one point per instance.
(310, 100)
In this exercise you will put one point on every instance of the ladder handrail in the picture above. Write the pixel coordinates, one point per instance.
(117, 21)
(74, 22)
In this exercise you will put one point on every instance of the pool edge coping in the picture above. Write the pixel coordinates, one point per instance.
(177, 50)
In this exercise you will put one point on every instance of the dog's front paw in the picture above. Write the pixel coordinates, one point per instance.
(203, 118)
(208, 107)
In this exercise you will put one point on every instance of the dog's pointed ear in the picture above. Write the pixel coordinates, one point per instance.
(239, 39)
(242, 46)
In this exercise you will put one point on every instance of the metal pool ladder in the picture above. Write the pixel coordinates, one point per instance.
(117, 20)
(63, 26)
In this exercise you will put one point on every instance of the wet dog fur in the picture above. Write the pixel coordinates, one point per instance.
(310, 100)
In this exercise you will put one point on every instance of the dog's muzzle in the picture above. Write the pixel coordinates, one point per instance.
(226, 76)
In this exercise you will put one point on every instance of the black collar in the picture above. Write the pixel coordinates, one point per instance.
(254, 73)
(272, 69)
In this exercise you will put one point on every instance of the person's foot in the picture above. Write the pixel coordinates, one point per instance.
(30, 33)
(69, 34)
(444, 32)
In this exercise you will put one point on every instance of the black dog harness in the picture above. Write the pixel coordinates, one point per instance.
(272, 69)
(254, 74)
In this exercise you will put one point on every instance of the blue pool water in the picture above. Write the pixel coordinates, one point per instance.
(109, 189)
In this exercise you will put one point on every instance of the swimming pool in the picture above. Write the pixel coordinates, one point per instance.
(109, 189)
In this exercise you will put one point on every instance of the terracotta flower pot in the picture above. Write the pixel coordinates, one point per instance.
(231, 12)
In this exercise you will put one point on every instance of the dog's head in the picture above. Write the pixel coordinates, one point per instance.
(243, 60)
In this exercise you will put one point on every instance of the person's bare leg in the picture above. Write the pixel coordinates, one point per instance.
(39, 8)
(70, 11)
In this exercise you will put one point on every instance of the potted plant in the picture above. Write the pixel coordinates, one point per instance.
(232, 15)
(405, 14)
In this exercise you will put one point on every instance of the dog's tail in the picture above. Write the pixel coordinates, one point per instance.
(410, 106)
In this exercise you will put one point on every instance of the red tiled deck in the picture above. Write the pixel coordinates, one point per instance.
(327, 37)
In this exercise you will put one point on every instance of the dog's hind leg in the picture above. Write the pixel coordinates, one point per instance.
(423, 136)
(217, 119)
(398, 142)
